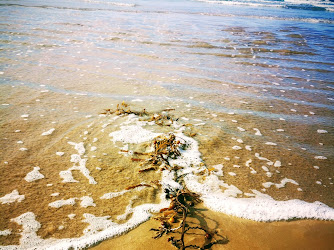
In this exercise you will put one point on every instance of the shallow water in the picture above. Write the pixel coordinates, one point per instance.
(253, 84)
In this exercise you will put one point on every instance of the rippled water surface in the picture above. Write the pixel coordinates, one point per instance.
(251, 81)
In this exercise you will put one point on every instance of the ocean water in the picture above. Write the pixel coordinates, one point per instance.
(248, 85)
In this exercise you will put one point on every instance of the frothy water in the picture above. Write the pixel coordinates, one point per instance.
(248, 84)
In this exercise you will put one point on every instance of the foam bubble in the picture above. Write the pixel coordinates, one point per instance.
(79, 147)
(34, 175)
(322, 131)
(113, 194)
(277, 164)
(270, 143)
(14, 196)
(49, 132)
(62, 202)
(260, 208)
(241, 129)
(71, 216)
(67, 176)
(265, 168)
(257, 132)
(5, 232)
(320, 157)
(87, 201)
(133, 134)
(29, 237)
(79, 164)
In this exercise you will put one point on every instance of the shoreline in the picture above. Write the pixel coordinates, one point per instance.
(241, 234)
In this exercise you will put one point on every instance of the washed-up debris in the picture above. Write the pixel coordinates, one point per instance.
(167, 147)
(182, 201)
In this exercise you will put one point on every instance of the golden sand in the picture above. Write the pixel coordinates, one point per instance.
(241, 234)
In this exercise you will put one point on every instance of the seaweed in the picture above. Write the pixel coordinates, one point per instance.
(181, 203)
(161, 119)
(123, 109)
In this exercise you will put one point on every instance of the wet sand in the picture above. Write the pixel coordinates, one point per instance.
(241, 234)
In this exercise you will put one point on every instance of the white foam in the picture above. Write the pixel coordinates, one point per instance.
(241, 129)
(128, 210)
(277, 164)
(190, 155)
(62, 202)
(270, 143)
(237, 147)
(5, 232)
(281, 184)
(133, 134)
(67, 176)
(257, 155)
(248, 163)
(322, 131)
(60, 153)
(71, 216)
(34, 175)
(257, 132)
(49, 132)
(25, 116)
(29, 237)
(219, 169)
(260, 208)
(268, 184)
(79, 164)
(96, 224)
(113, 194)
(285, 181)
(87, 201)
(265, 168)
(14, 196)
(240, 141)
(79, 147)
(320, 157)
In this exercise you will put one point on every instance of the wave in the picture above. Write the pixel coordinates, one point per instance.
(112, 3)
(325, 5)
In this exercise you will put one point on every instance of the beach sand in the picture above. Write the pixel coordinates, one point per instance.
(241, 234)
